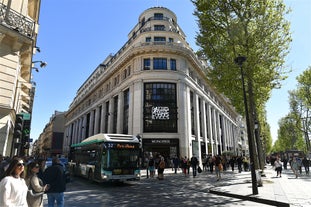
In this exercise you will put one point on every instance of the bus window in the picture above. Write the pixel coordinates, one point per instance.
(123, 158)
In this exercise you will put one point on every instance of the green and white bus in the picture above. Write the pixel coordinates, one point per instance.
(106, 157)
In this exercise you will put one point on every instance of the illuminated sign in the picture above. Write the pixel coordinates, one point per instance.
(121, 145)
(160, 112)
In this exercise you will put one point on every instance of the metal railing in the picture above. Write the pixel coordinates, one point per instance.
(16, 21)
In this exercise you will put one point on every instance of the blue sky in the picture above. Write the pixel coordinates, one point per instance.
(75, 36)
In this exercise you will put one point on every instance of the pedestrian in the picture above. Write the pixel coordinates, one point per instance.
(239, 162)
(278, 167)
(161, 168)
(285, 160)
(295, 166)
(188, 166)
(231, 162)
(184, 165)
(211, 162)
(176, 163)
(218, 167)
(151, 167)
(306, 164)
(194, 163)
(55, 177)
(13, 188)
(35, 185)
(204, 163)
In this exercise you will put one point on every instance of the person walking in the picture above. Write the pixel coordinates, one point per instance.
(161, 168)
(306, 164)
(176, 163)
(151, 167)
(239, 162)
(278, 167)
(194, 163)
(218, 167)
(55, 177)
(295, 166)
(184, 165)
(13, 188)
(35, 184)
(211, 162)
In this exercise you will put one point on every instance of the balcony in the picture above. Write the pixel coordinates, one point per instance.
(16, 21)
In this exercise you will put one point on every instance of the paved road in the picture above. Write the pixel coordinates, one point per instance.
(174, 190)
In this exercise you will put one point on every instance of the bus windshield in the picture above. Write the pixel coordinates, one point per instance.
(116, 158)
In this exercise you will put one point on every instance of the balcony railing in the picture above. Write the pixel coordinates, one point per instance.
(16, 21)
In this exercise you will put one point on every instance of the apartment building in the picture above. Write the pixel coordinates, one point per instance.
(155, 87)
(18, 36)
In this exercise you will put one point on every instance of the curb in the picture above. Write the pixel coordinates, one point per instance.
(249, 198)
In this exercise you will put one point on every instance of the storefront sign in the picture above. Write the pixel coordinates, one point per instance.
(160, 141)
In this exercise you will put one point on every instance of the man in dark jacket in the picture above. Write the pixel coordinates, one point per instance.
(54, 176)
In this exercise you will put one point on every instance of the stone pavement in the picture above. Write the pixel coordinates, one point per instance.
(276, 191)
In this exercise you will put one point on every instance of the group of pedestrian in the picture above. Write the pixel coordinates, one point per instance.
(158, 164)
(24, 183)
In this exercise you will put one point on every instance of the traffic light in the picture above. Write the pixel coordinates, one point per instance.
(26, 134)
(18, 128)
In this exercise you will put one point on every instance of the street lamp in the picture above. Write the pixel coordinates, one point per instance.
(42, 64)
(239, 61)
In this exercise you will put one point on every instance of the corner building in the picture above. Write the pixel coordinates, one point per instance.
(154, 87)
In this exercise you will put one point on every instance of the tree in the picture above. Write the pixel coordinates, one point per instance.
(289, 136)
(300, 104)
(255, 29)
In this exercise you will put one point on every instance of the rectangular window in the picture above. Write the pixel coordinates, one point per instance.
(126, 104)
(173, 64)
(159, 28)
(147, 64)
(170, 39)
(158, 16)
(160, 107)
(148, 39)
(107, 117)
(159, 39)
(159, 63)
(115, 114)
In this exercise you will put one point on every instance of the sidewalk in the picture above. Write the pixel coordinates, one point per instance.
(276, 191)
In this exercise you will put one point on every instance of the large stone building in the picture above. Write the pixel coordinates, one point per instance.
(155, 87)
(18, 36)
(50, 141)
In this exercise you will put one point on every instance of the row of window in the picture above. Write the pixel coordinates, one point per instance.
(159, 64)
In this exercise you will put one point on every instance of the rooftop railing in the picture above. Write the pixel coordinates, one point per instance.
(16, 21)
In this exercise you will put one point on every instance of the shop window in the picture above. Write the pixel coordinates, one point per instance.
(160, 107)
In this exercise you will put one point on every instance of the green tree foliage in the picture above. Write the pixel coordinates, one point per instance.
(255, 29)
(289, 136)
(300, 104)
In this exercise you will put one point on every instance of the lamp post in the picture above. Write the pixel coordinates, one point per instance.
(239, 61)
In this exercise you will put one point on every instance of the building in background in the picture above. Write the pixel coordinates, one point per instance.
(50, 141)
(18, 37)
(155, 87)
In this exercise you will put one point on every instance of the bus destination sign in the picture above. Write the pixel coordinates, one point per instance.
(122, 145)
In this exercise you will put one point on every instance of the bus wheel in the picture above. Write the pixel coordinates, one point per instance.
(91, 176)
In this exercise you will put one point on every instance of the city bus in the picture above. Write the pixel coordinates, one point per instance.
(106, 157)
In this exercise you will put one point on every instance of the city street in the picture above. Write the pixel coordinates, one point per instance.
(174, 190)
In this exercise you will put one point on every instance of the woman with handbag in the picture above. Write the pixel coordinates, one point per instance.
(35, 185)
